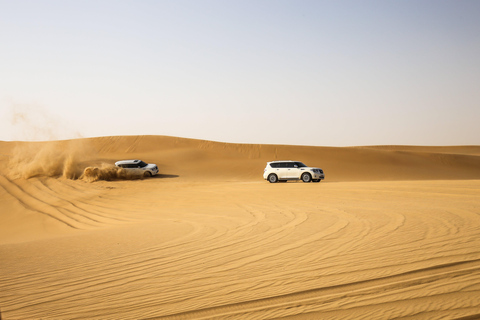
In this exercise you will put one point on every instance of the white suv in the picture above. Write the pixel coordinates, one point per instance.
(291, 170)
(149, 169)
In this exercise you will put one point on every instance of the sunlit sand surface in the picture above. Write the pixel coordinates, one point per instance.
(392, 233)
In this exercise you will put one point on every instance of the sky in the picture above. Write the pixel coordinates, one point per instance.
(301, 72)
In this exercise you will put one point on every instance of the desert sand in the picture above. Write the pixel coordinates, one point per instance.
(392, 233)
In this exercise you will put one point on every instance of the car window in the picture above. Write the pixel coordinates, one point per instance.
(274, 165)
(290, 164)
(142, 164)
(300, 165)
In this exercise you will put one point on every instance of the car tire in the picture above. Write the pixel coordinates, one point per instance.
(306, 177)
(147, 174)
(272, 178)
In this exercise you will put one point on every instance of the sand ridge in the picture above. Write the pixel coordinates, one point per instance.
(393, 232)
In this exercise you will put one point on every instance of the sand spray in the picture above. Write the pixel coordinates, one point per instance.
(70, 159)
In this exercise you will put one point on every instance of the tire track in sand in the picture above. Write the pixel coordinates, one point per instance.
(329, 299)
(33, 204)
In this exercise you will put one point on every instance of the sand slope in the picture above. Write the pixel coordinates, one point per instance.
(393, 232)
(191, 158)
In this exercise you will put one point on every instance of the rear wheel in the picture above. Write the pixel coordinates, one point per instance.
(306, 177)
(272, 178)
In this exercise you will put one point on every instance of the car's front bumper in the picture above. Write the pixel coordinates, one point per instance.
(316, 176)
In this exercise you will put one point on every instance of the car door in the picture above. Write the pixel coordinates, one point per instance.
(293, 172)
(282, 170)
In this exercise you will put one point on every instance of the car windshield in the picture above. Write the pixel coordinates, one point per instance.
(300, 165)
(142, 164)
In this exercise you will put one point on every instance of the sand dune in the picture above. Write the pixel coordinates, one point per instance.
(392, 233)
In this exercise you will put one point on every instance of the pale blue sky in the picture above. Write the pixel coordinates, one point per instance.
(331, 73)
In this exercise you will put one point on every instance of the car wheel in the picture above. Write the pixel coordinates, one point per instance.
(306, 177)
(272, 178)
(147, 174)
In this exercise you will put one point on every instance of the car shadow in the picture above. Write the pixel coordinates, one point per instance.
(164, 176)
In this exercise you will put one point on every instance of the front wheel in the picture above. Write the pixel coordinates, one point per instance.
(147, 174)
(272, 178)
(306, 177)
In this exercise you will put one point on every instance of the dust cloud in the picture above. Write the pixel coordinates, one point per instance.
(51, 159)
(70, 159)
(109, 172)
(32, 122)
(47, 158)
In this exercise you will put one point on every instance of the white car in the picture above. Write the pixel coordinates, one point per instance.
(291, 170)
(149, 169)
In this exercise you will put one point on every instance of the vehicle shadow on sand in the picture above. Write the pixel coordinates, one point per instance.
(164, 176)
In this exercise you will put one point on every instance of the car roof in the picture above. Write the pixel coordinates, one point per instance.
(127, 161)
(282, 161)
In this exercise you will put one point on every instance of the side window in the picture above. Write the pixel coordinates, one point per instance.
(274, 165)
(282, 165)
(290, 165)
